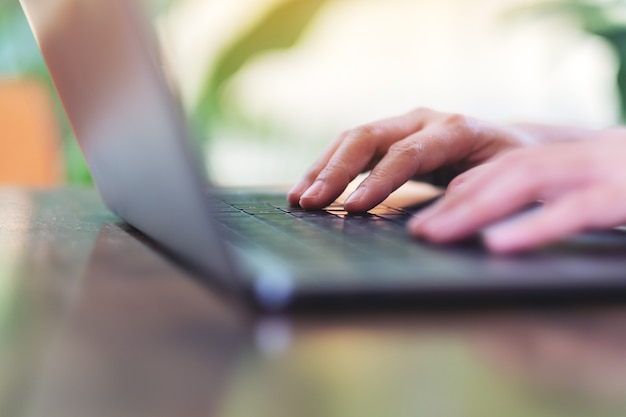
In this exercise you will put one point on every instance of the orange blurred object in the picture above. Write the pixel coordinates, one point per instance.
(30, 151)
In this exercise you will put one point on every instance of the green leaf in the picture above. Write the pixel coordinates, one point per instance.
(280, 28)
(76, 171)
(594, 17)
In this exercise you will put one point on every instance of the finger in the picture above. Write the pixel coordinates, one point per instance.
(398, 166)
(463, 178)
(499, 189)
(420, 153)
(488, 196)
(293, 197)
(355, 153)
(590, 208)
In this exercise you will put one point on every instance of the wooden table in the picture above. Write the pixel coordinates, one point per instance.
(95, 322)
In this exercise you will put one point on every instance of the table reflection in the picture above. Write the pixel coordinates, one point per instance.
(140, 339)
(522, 363)
(95, 321)
(98, 323)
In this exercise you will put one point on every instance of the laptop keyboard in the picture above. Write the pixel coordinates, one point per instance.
(268, 222)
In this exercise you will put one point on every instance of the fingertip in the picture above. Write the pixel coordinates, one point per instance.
(420, 225)
(363, 199)
(357, 208)
(415, 226)
(502, 246)
(507, 238)
(316, 197)
(441, 228)
(294, 195)
(309, 204)
(354, 202)
(421, 217)
(424, 230)
(293, 198)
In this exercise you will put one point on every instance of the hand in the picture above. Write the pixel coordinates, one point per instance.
(397, 149)
(582, 185)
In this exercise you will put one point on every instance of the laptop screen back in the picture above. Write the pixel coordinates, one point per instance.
(127, 123)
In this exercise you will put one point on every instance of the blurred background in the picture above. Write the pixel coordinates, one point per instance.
(268, 83)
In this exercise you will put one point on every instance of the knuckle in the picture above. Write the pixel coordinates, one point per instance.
(336, 171)
(456, 182)
(460, 124)
(382, 180)
(377, 177)
(367, 132)
(422, 111)
(406, 151)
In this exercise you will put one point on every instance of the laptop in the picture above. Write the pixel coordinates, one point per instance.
(102, 58)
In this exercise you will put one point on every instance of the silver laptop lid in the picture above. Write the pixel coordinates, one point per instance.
(127, 123)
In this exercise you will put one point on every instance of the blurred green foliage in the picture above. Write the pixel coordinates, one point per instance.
(18, 52)
(20, 57)
(604, 18)
(594, 16)
(280, 28)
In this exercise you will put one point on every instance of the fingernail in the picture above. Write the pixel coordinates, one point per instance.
(355, 197)
(313, 191)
